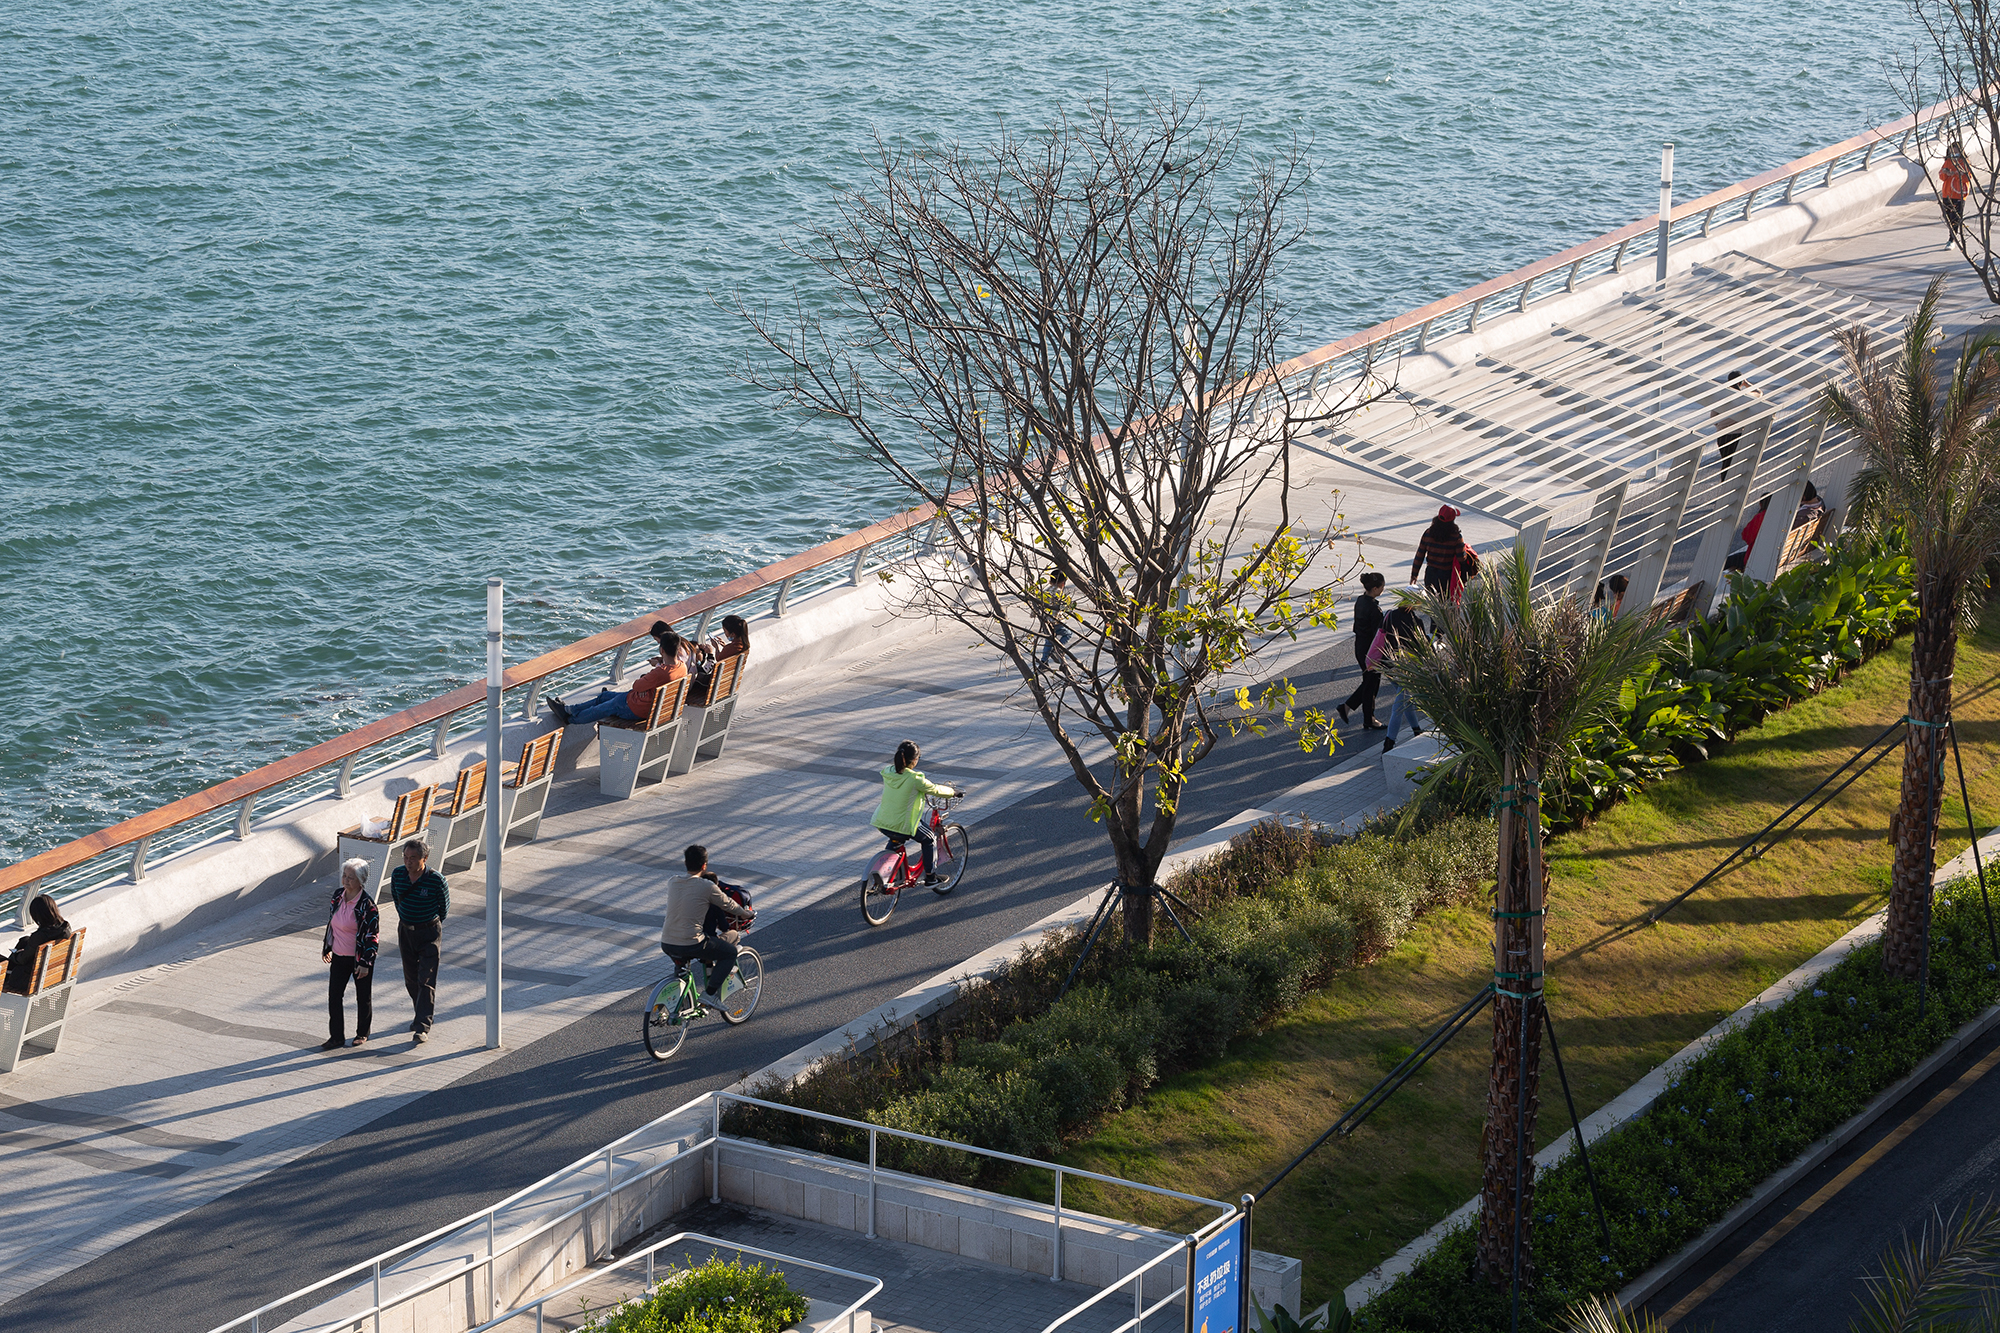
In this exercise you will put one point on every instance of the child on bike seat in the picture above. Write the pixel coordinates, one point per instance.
(683, 935)
(900, 815)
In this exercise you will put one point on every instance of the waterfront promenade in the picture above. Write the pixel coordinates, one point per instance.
(190, 1153)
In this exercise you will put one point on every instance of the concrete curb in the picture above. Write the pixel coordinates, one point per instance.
(1636, 1100)
(927, 998)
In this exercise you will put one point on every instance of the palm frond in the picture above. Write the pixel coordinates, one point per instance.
(1513, 673)
(1942, 1276)
(1602, 1314)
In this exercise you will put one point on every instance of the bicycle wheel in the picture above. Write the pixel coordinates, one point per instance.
(750, 971)
(876, 900)
(663, 1033)
(956, 838)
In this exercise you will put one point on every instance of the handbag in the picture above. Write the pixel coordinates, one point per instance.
(1375, 648)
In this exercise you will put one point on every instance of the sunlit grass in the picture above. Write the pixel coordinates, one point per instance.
(1623, 999)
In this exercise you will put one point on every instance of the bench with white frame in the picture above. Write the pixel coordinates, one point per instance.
(412, 815)
(459, 820)
(36, 1018)
(706, 729)
(629, 753)
(524, 787)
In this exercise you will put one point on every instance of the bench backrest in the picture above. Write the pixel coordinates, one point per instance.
(728, 672)
(469, 792)
(1678, 607)
(57, 961)
(667, 701)
(538, 756)
(413, 812)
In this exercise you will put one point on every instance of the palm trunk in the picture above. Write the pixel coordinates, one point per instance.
(1933, 653)
(1506, 1190)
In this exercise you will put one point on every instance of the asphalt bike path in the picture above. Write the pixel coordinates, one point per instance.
(536, 1109)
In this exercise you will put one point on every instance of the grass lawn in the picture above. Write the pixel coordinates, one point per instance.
(1623, 1000)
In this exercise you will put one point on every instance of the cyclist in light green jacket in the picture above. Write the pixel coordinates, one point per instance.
(900, 814)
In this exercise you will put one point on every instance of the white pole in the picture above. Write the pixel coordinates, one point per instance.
(1666, 210)
(493, 835)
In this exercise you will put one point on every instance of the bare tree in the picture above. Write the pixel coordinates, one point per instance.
(1951, 82)
(1066, 343)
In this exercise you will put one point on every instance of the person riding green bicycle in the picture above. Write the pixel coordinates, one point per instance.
(900, 814)
(696, 925)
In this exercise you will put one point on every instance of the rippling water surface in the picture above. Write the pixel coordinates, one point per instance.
(315, 314)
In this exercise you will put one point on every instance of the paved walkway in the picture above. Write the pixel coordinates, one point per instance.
(191, 1087)
(198, 1072)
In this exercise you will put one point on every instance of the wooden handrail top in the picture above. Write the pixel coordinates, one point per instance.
(330, 752)
(1631, 231)
(337, 749)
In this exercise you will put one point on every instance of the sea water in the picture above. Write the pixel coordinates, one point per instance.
(316, 314)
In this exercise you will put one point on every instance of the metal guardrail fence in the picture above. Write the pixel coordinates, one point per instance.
(599, 1177)
(234, 808)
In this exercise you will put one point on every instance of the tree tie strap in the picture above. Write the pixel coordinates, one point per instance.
(1516, 916)
(1516, 995)
(1919, 722)
(1516, 976)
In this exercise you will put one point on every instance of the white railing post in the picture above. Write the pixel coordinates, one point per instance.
(871, 1184)
(1472, 324)
(701, 626)
(1055, 1274)
(28, 891)
(854, 575)
(531, 703)
(139, 849)
(1708, 220)
(784, 595)
(1424, 336)
(1618, 259)
(715, 1155)
(438, 737)
(1749, 202)
(243, 809)
(376, 1286)
(1574, 269)
(609, 1190)
(343, 781)
(492, 1269)
(618, 662)
(1526, 287)
(1827, 179)
(1791, 184)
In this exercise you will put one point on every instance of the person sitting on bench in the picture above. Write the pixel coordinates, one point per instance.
(734, 641)
(49, 928)
(636, 703)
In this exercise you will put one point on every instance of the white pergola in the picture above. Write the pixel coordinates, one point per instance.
(1594, 440)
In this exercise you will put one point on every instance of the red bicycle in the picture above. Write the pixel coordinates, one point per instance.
(894, 869)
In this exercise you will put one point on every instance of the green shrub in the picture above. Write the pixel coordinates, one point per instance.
(716, 1297)
(1747, 1106)
(1007, 1113)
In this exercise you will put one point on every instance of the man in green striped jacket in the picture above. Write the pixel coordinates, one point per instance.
(423, 900)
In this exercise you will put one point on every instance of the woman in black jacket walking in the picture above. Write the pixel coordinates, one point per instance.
(1367, 622)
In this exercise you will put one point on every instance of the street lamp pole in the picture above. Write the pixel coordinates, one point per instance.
(493, 834)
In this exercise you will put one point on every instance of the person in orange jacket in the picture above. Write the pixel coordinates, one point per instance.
(1954, 183)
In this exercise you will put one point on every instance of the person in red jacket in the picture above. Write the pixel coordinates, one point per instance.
(634, 704)
(1954, 183)
(1750, 530)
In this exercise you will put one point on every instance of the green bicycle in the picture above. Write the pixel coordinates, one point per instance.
(677, 1003)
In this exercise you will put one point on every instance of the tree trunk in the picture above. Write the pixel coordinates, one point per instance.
(1933, 653)
(1506, 1189)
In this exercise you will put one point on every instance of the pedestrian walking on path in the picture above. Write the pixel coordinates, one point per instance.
(353, 930)
(1954, 183)
(423, 901)
(1367, 624)
(1399, 629)
(1439, 552)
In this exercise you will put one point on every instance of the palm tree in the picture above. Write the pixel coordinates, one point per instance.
(1932, 452)
(1510, 682)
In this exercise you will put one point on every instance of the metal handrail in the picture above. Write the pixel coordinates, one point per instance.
(1137, 1278)
(713, 1143)
(647, 1254)
(1417, 329)
(849, 553)
(489, 1215)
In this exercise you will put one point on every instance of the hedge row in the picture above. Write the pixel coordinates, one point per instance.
(1750, 1104)
(716, 1297)
(1010, 1067)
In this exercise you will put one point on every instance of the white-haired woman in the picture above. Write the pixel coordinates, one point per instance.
(352, 926)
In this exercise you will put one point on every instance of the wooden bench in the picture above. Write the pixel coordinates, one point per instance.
(1804, 542)
(1676, 609)
(706, 729)
(411, 817)
(524, 789)
(36, 1019)
(629, 753)
(458, 822)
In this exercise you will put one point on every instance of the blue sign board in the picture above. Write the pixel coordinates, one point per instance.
(1218, 1282)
